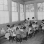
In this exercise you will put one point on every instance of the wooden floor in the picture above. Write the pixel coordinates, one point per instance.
(34, 40)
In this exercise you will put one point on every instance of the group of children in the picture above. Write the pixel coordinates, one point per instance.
(28, 28)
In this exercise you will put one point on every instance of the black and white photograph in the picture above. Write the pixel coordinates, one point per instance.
(21, 21)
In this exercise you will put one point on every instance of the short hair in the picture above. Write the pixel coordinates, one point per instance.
(17, 28)
(33, 22)
(8, 25)
(28, 18)
(24, 27)
(32, 17)
(30, 26)
(36, 22)
(25, 19)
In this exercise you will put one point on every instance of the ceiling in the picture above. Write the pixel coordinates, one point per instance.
(27, 0)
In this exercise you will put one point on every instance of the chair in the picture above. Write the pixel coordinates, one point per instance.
(25, 37)
(18, 38)
(30, 34)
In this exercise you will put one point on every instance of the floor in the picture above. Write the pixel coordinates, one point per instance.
(34, 40)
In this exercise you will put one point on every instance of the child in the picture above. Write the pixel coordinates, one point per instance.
(37, 27)
(30, 31)
(3, 31)
(34, 28)
(43, 27)
(7, 36)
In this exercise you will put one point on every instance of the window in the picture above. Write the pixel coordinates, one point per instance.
(29, 11)
(14, 12)
(14, 16)
(14, 6)
(40, 11)
(21, 12)
(4, 5)
(4, 13)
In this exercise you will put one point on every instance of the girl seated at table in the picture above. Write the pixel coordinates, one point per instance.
(43, 27)
(7, 35)
(37, 27)
(17, 31)
(21, 29)
(24, 35)
(34, 27)
(8, 29)
(14, 28)
(30, 31)
(13, 35)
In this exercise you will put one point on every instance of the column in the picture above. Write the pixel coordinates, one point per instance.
(35, 11)
(10, 10)
(18, 11)
(24, 11)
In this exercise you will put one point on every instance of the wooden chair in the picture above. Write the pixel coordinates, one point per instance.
(18, 38)
(24, 36)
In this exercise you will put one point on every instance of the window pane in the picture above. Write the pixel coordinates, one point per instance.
(29, 7)
(29, 11)
(14, 4)
(1, 1)
(14, 16)
(21, 16)
(1, 7)
(40, 15)
(5, 2)
(21, 10)
(40, 7)
(5, 7)
(29, 15)
(21, 7)
(14, 9)
(40, 11)
(4, 17)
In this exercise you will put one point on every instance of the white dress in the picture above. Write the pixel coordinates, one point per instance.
(9, 29)
(3, 31)
(29, 32)
(43, 28)
(21, 30)
(7, 35)
(14, 34)
(34, 27)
